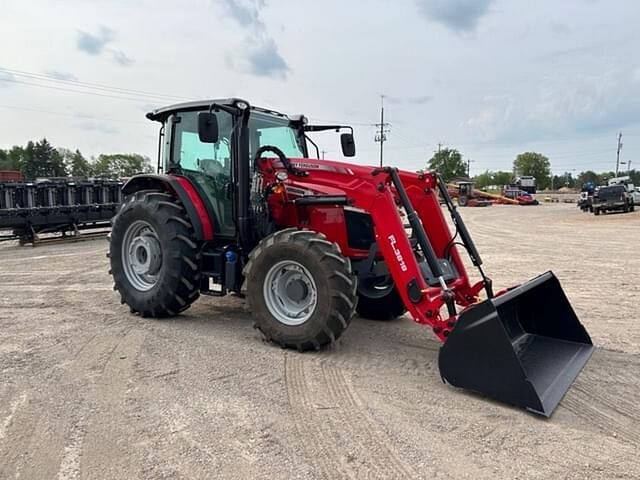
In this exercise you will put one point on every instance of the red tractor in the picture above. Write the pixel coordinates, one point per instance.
(242, 208)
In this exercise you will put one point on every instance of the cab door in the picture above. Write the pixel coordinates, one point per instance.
(208, 165)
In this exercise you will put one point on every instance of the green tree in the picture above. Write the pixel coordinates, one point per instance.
(28, 163)
(502, 178)
(565, 180)
(536, 165)
(448, 162)
(121, 165)
(604, 176)
(75, 163)
(14, 158)
(40, 159)
(488, 178)
(484, 179)
(587, 176)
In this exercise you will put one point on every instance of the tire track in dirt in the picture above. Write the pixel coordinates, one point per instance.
(15, 404)
(605, 395)
(47, 434)
(105, 447)
(345, 442)
(70, 464)
(311, 426)
(381, 460)
(18, 429)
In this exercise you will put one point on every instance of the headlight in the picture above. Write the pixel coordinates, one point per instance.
(281, 176)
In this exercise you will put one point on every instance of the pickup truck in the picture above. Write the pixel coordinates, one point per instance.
(611, 198)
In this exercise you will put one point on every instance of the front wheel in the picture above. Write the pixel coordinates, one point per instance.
(379, 299)
(300, 289)
(154, 255)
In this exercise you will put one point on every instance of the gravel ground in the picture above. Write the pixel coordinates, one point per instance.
(88, 390)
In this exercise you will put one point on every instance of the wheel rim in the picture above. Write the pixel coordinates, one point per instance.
(141, 255)
(377, 287)
(290, 293)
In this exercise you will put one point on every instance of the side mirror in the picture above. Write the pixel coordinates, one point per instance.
(348, 144)
(207, 127)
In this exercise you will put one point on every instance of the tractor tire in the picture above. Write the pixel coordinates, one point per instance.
(300, 289)
(383, 305)
(154, 255)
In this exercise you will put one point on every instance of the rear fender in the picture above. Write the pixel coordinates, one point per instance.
(184, 191)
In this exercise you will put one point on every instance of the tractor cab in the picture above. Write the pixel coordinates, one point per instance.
(214, 143)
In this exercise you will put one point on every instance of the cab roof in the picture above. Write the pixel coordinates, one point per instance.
(160, 114)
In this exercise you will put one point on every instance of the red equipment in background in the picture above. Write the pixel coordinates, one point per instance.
(11, 176)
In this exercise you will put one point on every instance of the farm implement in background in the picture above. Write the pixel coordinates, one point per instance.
(68, 208)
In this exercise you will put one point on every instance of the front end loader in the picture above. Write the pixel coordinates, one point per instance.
(239, 206)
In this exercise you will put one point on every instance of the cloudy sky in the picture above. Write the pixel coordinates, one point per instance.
(491, 78)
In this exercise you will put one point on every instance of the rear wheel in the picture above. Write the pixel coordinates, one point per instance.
(154, 255)
(379, 300)
(596, 211)
(300, 289)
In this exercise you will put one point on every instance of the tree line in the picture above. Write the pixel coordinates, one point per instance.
(450, 164)
(40, 159)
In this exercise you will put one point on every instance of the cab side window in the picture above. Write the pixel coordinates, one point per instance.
(208, 165)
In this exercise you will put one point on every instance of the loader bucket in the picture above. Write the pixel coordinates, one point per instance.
(524, 347)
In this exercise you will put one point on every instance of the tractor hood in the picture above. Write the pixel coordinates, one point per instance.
(300, 185)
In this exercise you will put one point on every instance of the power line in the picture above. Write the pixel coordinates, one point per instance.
(52, 87)
(89, 85)
(63, 114)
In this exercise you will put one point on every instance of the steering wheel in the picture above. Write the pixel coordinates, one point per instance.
(281, 156)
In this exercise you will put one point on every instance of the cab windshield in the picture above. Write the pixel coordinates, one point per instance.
(276, 131)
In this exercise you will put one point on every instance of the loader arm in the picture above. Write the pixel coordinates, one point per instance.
(424, 302)
(380, 192)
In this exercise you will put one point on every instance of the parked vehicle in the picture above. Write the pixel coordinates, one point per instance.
(612, 198)
(631, 188)
(521, 196)
(526, 183)
(585, 202)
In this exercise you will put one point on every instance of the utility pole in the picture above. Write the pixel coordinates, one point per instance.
(618, 152)
(323, 152)
(439, 146)
(381, 134)
(469, 167)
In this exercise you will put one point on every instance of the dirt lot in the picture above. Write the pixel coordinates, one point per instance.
(89, 391)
